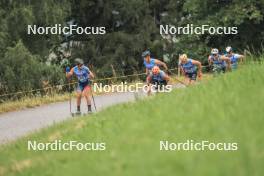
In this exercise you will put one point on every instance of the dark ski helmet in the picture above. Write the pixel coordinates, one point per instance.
(78, 61)
(146, 53)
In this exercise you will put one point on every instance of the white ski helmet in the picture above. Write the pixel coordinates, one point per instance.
(228, 49)
(214, 51)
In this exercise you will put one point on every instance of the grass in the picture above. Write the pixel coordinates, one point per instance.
(228, 108)
(30, 102)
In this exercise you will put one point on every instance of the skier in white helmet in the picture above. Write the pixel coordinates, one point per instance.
(219, 62)
(234, 58)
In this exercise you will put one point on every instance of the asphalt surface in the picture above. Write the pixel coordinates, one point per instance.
(20, 123)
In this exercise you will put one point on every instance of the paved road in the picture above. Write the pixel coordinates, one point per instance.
(20, 123)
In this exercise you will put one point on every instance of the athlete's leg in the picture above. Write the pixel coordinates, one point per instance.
(193, 78)
(187, 79)
(87, 94)
(79, 97)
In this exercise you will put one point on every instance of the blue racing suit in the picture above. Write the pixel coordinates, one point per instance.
(150, 65)
(190, 69)
(82, 75)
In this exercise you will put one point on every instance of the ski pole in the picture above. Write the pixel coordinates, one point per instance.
(93, 98)
(69, 87)
(180, 81)
(94, 103)
(70, 97)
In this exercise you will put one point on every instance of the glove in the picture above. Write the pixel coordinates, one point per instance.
(68, 69)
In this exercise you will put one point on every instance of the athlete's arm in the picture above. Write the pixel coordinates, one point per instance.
(224, 58)
(91, 75)
(149, 78)
(69, 74)
(166, 77)
(210, 61)
(199, 65)
(182, 70)
(158, 62)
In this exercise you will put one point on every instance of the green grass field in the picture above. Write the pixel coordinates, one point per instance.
(228, 108)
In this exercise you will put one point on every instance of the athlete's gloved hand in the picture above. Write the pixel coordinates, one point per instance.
(68, 69)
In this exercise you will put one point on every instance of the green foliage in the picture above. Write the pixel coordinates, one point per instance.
(246, 15)
(131, 27)
(20, 64)
(16, 15)
(22, 71)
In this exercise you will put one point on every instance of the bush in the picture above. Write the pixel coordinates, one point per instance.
(22, 71)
